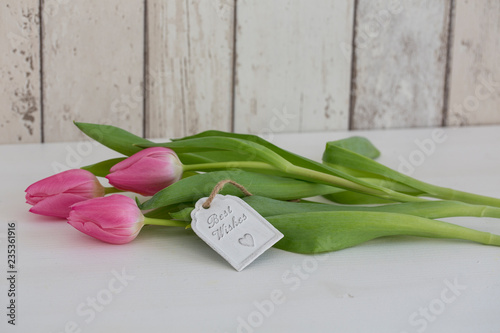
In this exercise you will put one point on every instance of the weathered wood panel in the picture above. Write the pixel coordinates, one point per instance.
(92, 65)
(20, 71)
(475, 67)
(190, 60)
(400, 63)
(292, 65)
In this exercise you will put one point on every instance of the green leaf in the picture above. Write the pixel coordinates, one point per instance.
(196, 158)
(183, 214)
(211, 156)
(192, 188)
(359, 145)
(252, 151)
(113, 137)
(429, 209)
(336, 155)
(127, 143)
(167, 211)
(352, 172)
(317, 232)
(353, 198)
(395, 186)
(101, 169)
(290, 157)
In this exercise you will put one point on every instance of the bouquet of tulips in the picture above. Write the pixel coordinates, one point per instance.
(367, 200)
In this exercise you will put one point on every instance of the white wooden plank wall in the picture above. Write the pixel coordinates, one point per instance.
(291, 74)
(92, 65)
(20, 114)
(168, 68)
(400, 63)
(190, 66)
(475, 67)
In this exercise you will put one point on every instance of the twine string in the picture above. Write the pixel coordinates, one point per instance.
(219, 187)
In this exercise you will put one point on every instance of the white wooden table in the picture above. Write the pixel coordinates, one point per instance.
(67, 282)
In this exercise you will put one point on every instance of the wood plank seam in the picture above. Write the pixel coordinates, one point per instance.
(40, 18)
(235, 55)
(449, 54)
(145, 69)
(352, 97)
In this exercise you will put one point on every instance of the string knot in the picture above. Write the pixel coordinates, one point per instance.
(219, 187)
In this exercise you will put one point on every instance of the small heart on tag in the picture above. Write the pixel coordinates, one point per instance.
(246, 240)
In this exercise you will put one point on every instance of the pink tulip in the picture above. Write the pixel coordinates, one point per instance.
(147, 171)
(115, 219)
(54, 195)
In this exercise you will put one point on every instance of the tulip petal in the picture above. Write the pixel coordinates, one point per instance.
(60, 182)
(57, 205)
(147, 171)
(89, 189)
(92, 229)
(146, 177)
(115, 211)
(115, 219)
(156, 152)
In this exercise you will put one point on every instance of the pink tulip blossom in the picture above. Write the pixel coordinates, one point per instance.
(147, 171)
(115, 219)
(53, 196)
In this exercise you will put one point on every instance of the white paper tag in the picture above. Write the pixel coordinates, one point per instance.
(233, 229)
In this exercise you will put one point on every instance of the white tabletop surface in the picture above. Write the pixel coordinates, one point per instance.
(175, 283)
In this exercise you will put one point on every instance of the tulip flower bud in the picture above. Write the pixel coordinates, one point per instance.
(53, 196)
(147, 171)
(114, 219)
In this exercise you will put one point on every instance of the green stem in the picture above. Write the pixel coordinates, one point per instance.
(308, 175)
(356, 165)
(482, 237)
(109, 190)
(444, 193)
(324, 178)
(228, 165)
(471, 198)
(429, 209)
(165, 223)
